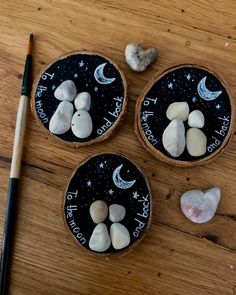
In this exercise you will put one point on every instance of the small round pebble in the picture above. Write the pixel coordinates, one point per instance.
(196, 119)
(83, 101)
(178, 110)
(98, 211)
(66, 91)
(116, 213)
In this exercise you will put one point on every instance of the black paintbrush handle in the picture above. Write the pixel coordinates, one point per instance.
(26, 82)
(8, 235)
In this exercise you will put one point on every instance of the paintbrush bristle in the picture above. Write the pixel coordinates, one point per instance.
(29, 49)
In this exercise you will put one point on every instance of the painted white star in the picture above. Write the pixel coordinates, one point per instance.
(111, 192)
(194, 99)
(53, 87)
(218, 106)
(135, 195)
(95, 89)
(81, 64)
(89, 183)
(188, 77)
(76, 75)
(101, 165)
(170, 85)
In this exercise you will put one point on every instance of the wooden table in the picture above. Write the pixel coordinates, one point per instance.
(176, 257)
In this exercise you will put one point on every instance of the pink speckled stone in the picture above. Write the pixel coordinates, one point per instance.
(198, 206)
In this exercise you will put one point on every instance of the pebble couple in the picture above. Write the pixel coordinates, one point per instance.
(64, 117)
(119, 237)
(173, 137)
(197, 206)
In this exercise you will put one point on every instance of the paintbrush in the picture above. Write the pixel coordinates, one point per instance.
(15, 174)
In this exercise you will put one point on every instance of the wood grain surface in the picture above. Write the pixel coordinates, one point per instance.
(176, 256)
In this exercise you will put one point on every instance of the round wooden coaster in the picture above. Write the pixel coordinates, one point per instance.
(203, 89)
(91, 72)
(113, 179)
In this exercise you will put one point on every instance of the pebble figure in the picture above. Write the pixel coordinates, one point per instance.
(81, 124)
(63, 119)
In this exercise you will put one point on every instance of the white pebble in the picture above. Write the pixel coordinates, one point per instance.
(196, 142)
(61, 119)
(116, 213)
(120, 237)
(66, 91)
(98, 211)
(196, 119)
(178, 110)
(81, 124)
(137, 58)
(173, 138)
(198, 206)
(100, 240)
(83, 101)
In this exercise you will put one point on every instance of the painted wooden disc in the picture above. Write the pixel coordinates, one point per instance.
(93, 73)
(113, 179)
(203, 90)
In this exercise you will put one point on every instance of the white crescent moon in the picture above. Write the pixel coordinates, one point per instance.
(119, 182)
(204, 93)
(99, 76)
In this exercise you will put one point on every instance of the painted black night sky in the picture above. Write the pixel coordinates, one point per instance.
(180, 84)
(80, 68)
(93, 181)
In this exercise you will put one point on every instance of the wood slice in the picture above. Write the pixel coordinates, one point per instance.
(114, 179)
(203, 89)
(108, 100)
